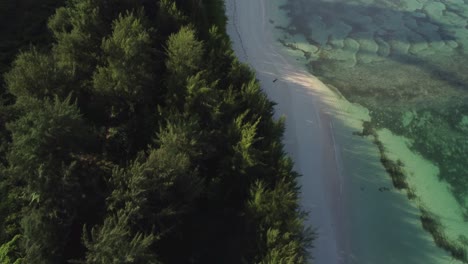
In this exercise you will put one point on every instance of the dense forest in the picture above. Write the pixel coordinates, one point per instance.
(130, 133)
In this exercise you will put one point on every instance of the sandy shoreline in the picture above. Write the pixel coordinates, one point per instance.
(342, 177)
(308, 137)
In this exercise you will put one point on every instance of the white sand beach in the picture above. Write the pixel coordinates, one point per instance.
(358, 216)
(308, 137)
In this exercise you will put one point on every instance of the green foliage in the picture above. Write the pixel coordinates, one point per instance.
(127, 52)
(247, 133)
(114, 243)
(45, 136)
(78, 29)
(215, 12)
(35, 75)
(201, 98)
(43, 236)
(282, 238)
(149, 185)
(78, 16)
(179, 137)
(253, 97)
(219, 53)
(170, 16)
(12, 200)
(184, 52)
(60, 22)
(23, 22)
(166, 156)
(7, 251)
(43, 141)
(185, 56)
(151, 195)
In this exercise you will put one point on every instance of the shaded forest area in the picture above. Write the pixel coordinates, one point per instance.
(130, 133)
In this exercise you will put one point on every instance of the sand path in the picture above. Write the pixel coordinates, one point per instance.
(308, 136)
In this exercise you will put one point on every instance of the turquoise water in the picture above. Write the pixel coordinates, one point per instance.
(407, 62)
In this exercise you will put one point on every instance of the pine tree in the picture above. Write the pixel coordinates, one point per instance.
(78, 29)
(281, 237)
(36, 74)
(115, 243)
(8, 251)
(127, 73)
(45, 138)
(185, 55)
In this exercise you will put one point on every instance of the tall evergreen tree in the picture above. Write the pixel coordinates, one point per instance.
(36, 74)
(127, 72)
(78, 29)
(185, 55)
(114, 242)
(44, 140)
(280, 233)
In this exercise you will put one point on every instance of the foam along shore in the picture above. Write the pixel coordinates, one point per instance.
(358, 216)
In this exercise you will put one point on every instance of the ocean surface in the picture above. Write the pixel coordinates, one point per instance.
(406, 62)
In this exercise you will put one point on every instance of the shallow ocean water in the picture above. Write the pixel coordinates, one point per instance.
(406, 61)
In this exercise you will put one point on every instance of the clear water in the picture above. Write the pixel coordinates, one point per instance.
(407, 62)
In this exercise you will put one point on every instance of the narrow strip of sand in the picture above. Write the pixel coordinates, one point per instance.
(308, 136)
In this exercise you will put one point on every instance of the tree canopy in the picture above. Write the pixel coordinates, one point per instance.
(133, 135)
